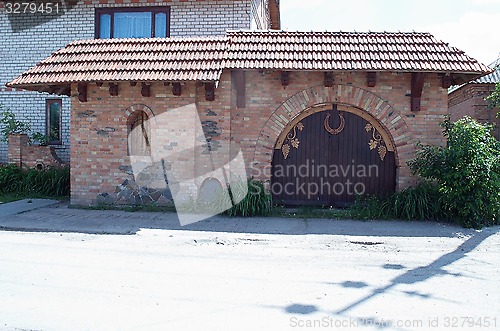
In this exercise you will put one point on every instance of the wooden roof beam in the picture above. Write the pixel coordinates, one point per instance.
(285, 78)
(210, 91)
(446, 80)
(64, 90)
(239, 84)
(113, 89)
(177, 89)
(145, 90)
(82, 92)
(328, 79)
(371, 78)
(417, 85)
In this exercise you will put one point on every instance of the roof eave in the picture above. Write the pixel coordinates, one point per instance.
(52, 87)
(461, 78)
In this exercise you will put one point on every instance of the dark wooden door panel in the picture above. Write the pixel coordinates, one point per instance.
(327, 158)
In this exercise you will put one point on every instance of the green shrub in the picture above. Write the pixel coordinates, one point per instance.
(466, 172)
(50, 181)
(46, 182)
(11, 125)
(11, 177)
(494, 98)
(423, 202)
(257, 201)
(367, 208)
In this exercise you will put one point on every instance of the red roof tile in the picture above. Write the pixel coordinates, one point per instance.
(331, 51)
(161, 59)
(203, 59)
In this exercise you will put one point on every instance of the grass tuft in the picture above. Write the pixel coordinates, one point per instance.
(50, 182)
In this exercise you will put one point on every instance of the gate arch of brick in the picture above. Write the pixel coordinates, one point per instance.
(378, 108)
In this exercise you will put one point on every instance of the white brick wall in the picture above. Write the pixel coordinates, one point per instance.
(23, 49)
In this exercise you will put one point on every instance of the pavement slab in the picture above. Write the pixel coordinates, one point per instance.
(20, 206)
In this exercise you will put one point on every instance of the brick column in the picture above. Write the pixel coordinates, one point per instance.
(17, 142)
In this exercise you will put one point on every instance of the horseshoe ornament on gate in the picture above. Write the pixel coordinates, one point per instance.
(337, 130)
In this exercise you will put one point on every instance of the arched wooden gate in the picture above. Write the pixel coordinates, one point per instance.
(328, 155)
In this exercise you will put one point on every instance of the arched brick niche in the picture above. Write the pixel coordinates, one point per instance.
(138, 108)
(390, 119)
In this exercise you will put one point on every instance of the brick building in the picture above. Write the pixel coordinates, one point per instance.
(335, 112)
(469, 99)
(28, 38)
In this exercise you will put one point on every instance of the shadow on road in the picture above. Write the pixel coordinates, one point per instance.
(413, 276)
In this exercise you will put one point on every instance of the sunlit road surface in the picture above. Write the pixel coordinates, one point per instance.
(198, 280)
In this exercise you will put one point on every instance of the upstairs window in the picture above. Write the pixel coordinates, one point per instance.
(142, 22)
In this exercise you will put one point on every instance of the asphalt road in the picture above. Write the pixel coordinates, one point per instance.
(285, 274)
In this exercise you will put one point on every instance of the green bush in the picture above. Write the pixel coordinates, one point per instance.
(466, 172)
(11, 125)
(423, 202)
(11, 177)
(494, 98)
(257, 201)
(369, 208)
(46, 182)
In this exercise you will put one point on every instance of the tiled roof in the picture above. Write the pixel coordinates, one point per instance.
(492, 78)
(371, 51)
(203, 59)
(146, 60)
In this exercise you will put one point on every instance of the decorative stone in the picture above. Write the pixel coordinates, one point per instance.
(164, 202)
(126, 169)
(146, 200)
(167, 194)
(155, 195)
(105, 199)
(210, 112)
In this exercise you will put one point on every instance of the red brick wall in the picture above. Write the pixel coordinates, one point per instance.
(470, 100)
(16, 144)
(99, 130)
(388, 101)
(22, 154)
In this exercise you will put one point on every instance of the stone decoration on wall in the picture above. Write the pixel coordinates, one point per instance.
(151, 187)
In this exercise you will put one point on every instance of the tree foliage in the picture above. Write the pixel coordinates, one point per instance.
(11, 124)
(466, 171)
(494, 98)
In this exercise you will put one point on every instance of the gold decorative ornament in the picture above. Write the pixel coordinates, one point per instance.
(337, 130)
(291, 140)
(376, 141)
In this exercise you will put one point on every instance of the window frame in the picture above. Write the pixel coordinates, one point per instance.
(48, 102)
(112, 10)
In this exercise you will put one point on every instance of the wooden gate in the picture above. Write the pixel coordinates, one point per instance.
(328, 155)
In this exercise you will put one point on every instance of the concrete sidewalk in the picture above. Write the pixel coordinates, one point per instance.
(54, 216)
(20, 206)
